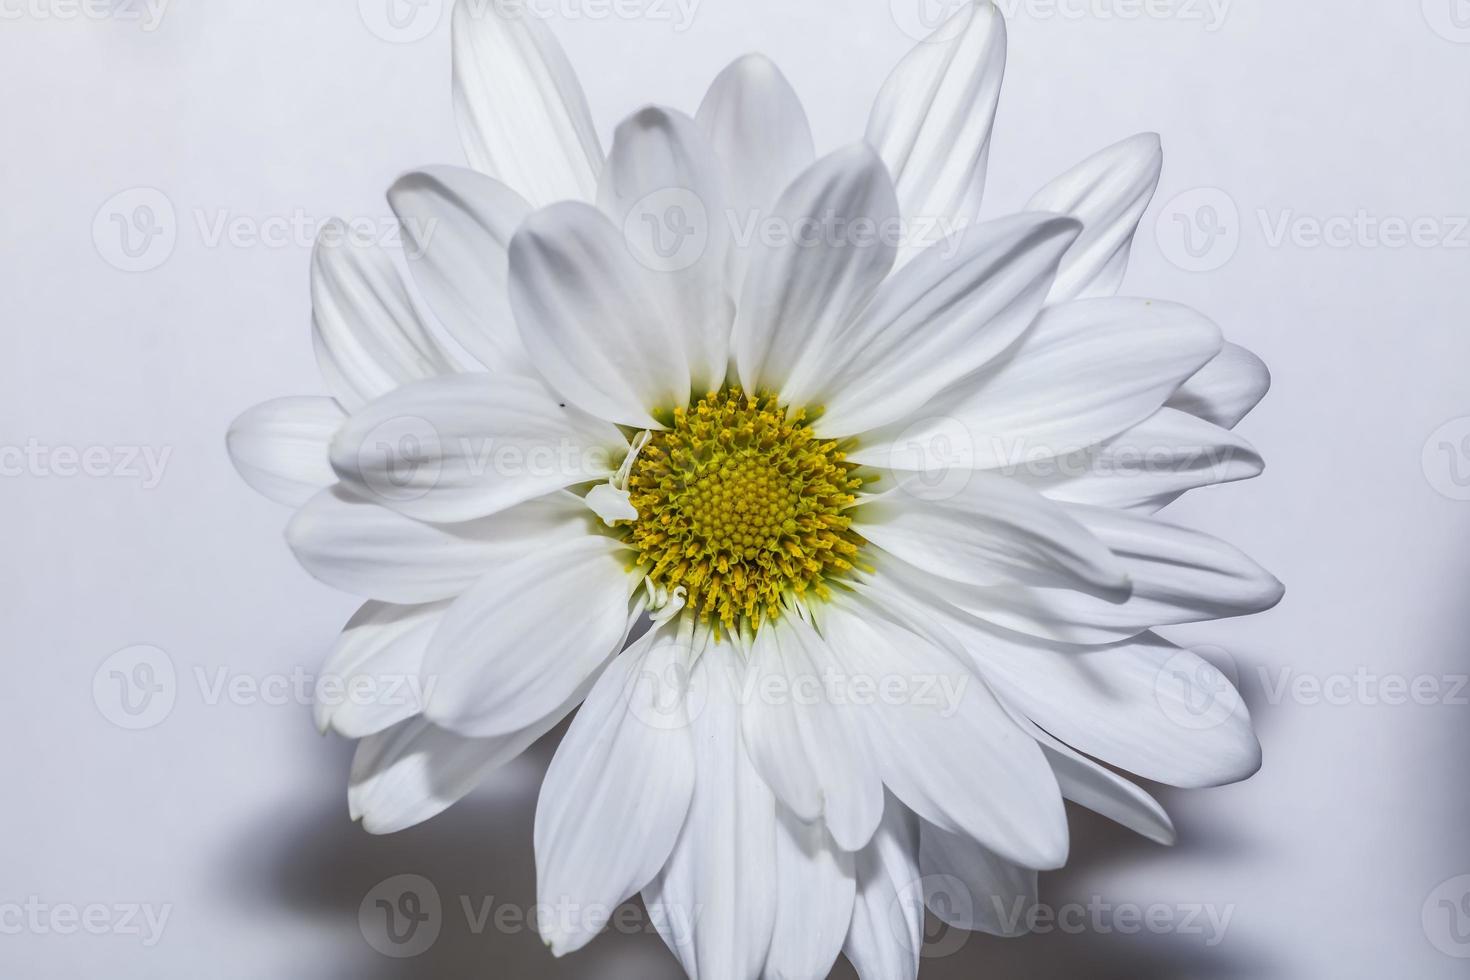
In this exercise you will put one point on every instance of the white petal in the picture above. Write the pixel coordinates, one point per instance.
(462, 447)
(1103, 791)
(1147, 466)
(592, 318)
(662, 170)
(1226, 389)
(807, 746)
(815, 889)
(932, 119)
(1085, 371)
(954, 309)
(805, 284)
(611, 504)
(371, 679)
(414, 770)
(523, 118)
(371, 551)
(992, 531)
(457, 225)
(715, 902)
(1143, 705)
(279, 447)
(617, 792)
(970, 887)
(760, 134)
(1178, 576)
(526, 634)
(887, 932)
(369, 339)
(1108, 193)
(945, 747)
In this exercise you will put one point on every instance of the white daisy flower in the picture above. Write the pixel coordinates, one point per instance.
(885, 497)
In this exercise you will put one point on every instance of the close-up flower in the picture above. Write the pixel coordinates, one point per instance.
(879, 504)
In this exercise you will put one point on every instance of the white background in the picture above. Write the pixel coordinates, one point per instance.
(232, 814)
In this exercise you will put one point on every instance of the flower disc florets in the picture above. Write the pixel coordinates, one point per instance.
(742, 505)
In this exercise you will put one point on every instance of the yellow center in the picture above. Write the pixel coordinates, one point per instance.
(743, 506)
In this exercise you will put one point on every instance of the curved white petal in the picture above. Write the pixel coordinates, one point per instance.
(970, 887)
(1143, 705)
(1108, 192)
(886, 937)
(951, 311)
(456, 226)
(462, 447)
(1085, 371)
(992, 531)
(662, 170)
(369, 339)
(617, 792)
(1103, 791)
(361, 548)
(592, 318)
(279, 447)
(1147, 466)
(715, 901)
(944, 745)
(806, 744)
(815, 890)
(415, 770)
(372, 678)
(760, 135)
(1226, 389)
(805, 284)
(519, 641)
(523, 118)
(933, 117)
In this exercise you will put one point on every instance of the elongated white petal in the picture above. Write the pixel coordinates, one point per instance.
(992, 531)
(761, 137)
(804, 285)
(526, 634)
(951, 311)
(993, 895)
(369, 339)
(815, 889)
(415, 771)
(1085, 371)
(626, 769)
(1147, 466)
(887, 932)
(1226, 389)
(458, 448)
(592, 318)
(279, 447)
(662, 170)
(456, 226)
(715, 901)
(368, 550)
(933, 117)
(523, 118)
(944, 745)
(1178, 576)
(372, 678)
(807, 746)
(1108, 192)
(1142, 705)
(1103, 791)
